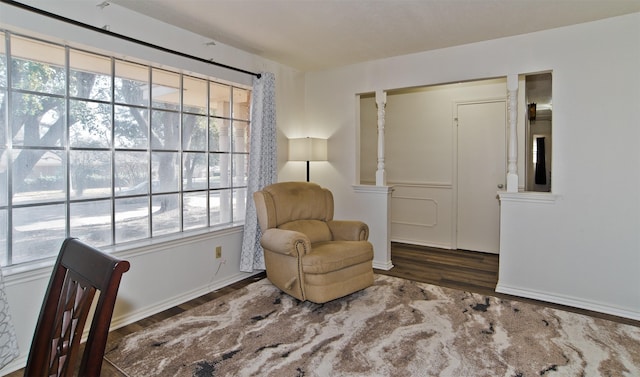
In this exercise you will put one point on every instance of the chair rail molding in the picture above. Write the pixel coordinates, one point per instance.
(528, 197)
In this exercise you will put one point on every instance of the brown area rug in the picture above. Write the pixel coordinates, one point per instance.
(394, 328)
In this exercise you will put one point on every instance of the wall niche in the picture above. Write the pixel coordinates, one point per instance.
(538, 131)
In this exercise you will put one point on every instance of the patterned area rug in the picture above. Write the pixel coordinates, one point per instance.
(394, 328)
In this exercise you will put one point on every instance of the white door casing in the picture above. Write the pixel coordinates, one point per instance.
(481, 172)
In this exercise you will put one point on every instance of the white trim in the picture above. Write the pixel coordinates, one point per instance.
(371, 189)
(24, 274)
(574, 302)
(40, 269)
(383, 265)
(160, 243)
(131, 317)
(435, 185)
(414, 224)
(528, 197)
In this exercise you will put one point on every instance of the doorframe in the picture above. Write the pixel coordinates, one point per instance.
(454, 168)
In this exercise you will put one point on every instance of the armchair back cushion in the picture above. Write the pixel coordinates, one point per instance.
(282, 204)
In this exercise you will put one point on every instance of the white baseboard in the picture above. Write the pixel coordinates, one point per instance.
(383, 265)
(134, 316)
(568, 301)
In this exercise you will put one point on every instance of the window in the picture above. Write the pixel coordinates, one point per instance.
(112, 151)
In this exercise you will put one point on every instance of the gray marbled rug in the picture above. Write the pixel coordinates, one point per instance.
(394, 328)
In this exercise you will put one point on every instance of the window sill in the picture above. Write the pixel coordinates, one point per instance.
(42, 268)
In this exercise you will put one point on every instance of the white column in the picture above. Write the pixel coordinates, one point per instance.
(512, 155)
(381, 102)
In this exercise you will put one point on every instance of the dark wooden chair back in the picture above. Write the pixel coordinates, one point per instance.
(79, 272)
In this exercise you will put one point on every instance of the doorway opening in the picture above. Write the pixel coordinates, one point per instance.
(421, 159)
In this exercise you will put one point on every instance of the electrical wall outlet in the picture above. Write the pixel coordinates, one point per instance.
(218, 252)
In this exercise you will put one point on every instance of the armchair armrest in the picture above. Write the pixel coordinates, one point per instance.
(349, 230)
(287, 242)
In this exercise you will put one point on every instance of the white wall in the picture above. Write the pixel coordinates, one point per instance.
(583, 247)
(166, 274)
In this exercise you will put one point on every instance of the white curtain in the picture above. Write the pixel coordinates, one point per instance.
(262, 165)
(8, 342)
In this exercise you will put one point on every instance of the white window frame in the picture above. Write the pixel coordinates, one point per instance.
(237, 154)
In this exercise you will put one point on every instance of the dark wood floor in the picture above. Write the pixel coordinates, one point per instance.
(465, 270)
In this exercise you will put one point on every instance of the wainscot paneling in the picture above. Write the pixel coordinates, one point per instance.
(421, 213)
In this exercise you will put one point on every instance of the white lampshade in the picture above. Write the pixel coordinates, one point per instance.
(308, 149)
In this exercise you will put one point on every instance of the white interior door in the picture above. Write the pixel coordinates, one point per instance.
(481, 157)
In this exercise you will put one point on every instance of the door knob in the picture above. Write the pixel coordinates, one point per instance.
(500, 185)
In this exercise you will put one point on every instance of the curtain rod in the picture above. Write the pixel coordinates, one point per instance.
(121, 36)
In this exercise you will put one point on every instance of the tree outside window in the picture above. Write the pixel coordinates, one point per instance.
(112, 151)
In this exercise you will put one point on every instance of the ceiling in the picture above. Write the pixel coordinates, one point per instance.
(318, 34)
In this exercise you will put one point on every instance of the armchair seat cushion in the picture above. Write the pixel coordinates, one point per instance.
(335, 255)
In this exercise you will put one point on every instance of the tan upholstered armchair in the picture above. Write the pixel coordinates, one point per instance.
(308, 254)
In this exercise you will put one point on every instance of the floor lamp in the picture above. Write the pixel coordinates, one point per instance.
(308, 149)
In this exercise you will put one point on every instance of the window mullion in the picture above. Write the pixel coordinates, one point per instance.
(180, 154)
(8, 117)
(207, 154)
(150, 154)
(66, 144)
(231, 157)
(113, 151)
